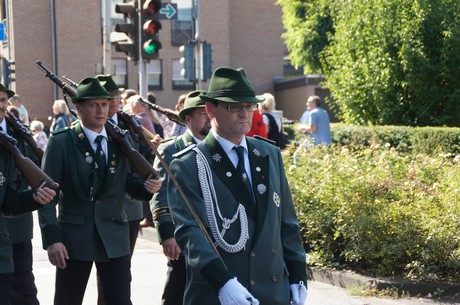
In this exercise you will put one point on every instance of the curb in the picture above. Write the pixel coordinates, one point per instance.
(348, 279)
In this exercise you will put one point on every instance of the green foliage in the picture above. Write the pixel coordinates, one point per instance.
(307, 24)
(392, 62)
(379, 210)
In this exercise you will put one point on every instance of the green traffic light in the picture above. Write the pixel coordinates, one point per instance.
(151, 47)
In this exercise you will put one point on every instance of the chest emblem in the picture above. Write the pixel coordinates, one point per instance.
(276, 199)
(2, 179)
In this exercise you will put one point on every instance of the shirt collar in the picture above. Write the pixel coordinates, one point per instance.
(91, 135)
(3, 125)
(227, 146)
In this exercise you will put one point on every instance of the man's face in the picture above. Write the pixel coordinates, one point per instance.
(93, 113)
(114, 105)
(229, 123)
(3, 104)
(199, 123)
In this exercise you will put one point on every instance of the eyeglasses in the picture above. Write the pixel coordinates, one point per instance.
(238, 107)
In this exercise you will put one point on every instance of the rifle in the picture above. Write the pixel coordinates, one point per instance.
(140, 131)
(168, 112)
(33, 174)
(25, 133)
(142, 166)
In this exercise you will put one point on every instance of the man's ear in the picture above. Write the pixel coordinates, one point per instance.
(210, 109)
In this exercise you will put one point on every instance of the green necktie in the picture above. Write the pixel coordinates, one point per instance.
(240, 167)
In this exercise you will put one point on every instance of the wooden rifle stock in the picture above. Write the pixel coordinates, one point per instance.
(25, 133)
(33, 174)
(168, 112)
(142, 166)
(140, 131)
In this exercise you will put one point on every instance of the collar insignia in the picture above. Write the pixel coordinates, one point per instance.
(276, 199)
(81, 135)
(216, 157)
(256, 152)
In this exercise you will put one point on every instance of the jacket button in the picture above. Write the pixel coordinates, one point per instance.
(253, 254)
(253, 282)
(273, 251)
(274, 279)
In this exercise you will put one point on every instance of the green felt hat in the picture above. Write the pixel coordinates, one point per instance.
(90, 88)
(231, 86)
(108, 83)
(8, 91)
(192, 102)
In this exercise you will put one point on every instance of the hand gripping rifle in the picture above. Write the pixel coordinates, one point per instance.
(142, 166)
(33, 174)
(25, 133)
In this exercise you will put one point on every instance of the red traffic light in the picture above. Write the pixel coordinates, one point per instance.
(151, 7)
(151, 27)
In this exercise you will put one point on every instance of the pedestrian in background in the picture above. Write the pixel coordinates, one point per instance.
(317, 122)
(238, 189)
(60, 115)
(38, 133)
(16, 101)
(272, 122)
(178, 129)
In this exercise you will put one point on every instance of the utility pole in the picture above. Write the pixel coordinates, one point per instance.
(199, 49)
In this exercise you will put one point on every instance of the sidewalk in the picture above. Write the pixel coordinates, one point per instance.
(149, 274)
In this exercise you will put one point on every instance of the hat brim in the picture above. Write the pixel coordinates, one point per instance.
(186, 111)
(8, 92)
(79, 99)
(234, 99)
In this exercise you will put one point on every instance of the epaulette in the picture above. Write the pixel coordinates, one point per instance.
(266, 140)
(60, 130)
(184, 151)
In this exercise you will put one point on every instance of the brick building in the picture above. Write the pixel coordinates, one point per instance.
(72, 38)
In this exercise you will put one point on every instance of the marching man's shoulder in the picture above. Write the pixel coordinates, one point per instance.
(264, 139)
(184, 151)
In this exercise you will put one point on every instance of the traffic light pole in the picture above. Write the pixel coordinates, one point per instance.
(142, 64)
(199, 49)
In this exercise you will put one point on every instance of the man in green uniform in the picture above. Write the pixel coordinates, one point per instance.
(91, 226)
(14, 202)
(198, 125)
(238, 189)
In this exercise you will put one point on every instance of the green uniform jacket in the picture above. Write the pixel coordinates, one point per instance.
(21, 227)
(159, 202)
(273, 256)
(11, 203)
(91, 221)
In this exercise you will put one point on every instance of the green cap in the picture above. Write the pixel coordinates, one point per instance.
(8, 91)
(108, 83)
(231, 86)
(192, 102)
(90, 88)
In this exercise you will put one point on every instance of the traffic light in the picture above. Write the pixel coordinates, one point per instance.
(8, 71)
(130, 27)
(188, 60)
(207, 61)
(150, 41)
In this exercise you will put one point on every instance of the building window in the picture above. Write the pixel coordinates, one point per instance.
(119, 74)
(154, 75)
(178, 81)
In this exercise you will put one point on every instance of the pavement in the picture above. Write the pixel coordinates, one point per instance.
(149, 273)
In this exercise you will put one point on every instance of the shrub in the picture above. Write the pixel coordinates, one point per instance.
(377, 209)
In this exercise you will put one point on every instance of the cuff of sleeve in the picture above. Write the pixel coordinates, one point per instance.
(50, 235)
(297, 271)
(216, 274)
(165, 231)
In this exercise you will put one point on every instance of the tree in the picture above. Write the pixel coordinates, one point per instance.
(393, 61)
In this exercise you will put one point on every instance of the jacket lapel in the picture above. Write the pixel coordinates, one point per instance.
(225, 170)
(260, 182)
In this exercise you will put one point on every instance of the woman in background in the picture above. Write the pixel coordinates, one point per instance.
(61, 113)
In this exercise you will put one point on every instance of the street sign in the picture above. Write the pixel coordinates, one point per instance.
(168, 11)
(2, 31)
